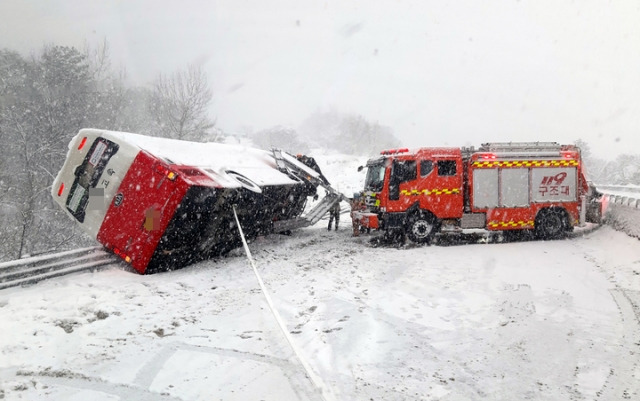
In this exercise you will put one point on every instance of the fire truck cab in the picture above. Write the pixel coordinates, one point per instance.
(500, 186)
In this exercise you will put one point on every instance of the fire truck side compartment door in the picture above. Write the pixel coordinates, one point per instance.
(554, 184)
(485, 188)
(515, 187)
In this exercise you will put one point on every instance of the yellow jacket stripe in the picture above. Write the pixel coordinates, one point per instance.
(507, 224)
(374, 196)
(444, 191)
(525, 163)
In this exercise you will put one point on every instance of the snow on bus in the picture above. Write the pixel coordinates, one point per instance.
(161, 203)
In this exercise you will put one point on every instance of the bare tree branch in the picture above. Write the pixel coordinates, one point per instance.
(180, 102)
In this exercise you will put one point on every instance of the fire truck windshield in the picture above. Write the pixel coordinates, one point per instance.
(375, 178)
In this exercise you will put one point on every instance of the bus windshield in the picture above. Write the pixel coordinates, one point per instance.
(375, 178)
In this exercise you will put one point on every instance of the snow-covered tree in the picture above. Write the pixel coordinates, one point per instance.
(180, 104)
(44, 101)
(623, 170)
(347, 133)
(46, 104)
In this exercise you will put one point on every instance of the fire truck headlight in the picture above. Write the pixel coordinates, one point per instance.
(383, 209)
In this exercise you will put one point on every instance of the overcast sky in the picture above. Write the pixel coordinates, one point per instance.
(439, 73)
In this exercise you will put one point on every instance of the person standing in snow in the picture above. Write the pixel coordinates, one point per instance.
(357, 203)
(334, 214)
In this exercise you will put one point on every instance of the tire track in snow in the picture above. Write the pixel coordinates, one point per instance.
(50, 377)
(293, 372)
(623, 381)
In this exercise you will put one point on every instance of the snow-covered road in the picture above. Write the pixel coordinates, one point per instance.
(553, 320)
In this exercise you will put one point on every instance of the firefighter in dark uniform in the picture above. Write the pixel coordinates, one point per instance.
(334, 214)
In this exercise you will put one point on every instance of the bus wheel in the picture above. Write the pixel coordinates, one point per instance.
(550, 223)
(421, 227)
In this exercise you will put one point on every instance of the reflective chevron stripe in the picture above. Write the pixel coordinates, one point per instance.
(526, 163)
(444, 191)
(511, 224)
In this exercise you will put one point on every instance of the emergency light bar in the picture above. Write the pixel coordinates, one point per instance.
(394, 151)
(520, 146)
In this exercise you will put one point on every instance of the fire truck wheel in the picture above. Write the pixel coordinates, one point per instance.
(421, 228)
(550, 223)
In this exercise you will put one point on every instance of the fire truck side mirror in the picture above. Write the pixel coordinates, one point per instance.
(360, 168)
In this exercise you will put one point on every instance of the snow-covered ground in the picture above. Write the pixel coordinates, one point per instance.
(554, 320)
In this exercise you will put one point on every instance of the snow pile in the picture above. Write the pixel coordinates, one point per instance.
(624, 218)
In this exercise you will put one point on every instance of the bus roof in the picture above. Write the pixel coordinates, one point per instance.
(257, 165)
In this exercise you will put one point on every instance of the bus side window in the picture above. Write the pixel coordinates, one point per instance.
(446, 167)
(426, 167)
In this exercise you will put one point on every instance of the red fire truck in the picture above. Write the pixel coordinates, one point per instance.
(538, 186)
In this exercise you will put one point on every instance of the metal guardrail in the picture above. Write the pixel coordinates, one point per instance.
(621, 207)
(620, 195)
(34, 269)
(616, 187)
